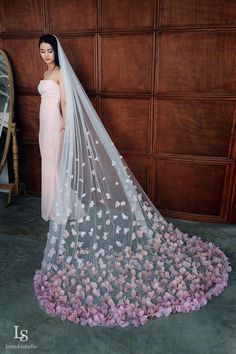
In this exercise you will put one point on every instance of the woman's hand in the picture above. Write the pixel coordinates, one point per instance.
(62, 127)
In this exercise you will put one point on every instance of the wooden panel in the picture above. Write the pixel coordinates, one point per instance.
(1, 28)
(81, 54)
(197, 63)
(72, 16)
(123, 65)
(139, 166)
(127, 122)
(232, 183)
(30, 167)
(126, 14)
(232, 216)
(27, 117)
(94, 102)
(27, 65)
(193, 126)
(195, 13)
(189, 187)
(23, 16)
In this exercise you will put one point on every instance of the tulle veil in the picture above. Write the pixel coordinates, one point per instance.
(111, 258)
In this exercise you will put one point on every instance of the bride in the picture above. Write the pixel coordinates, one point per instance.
(110, 259)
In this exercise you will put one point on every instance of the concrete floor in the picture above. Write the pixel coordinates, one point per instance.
(212, 330)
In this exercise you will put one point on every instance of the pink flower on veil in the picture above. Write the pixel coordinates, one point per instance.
(96, 292)
(51, 252)
(94, 285)
(89, 299)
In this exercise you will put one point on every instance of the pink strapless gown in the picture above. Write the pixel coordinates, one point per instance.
(50, 142)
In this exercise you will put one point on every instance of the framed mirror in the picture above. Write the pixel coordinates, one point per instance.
(8, 139)
(6, 106)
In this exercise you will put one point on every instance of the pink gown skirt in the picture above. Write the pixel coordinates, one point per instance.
(50, 142)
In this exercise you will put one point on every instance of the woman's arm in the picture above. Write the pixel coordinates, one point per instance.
(63, 100)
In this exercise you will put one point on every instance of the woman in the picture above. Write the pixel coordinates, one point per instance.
(52, 121)
(52, 125)
(111, 258)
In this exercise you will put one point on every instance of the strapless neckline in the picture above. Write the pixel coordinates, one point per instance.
(50, 80)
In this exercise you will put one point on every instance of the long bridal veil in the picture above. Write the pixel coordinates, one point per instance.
(111, 258)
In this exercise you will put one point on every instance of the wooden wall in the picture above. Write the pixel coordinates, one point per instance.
(161, 75)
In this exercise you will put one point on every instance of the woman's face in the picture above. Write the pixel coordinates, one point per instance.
(47, 53)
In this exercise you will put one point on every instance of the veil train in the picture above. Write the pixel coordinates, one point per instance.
(111, 258)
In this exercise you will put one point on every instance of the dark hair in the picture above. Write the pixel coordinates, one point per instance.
(50, 39)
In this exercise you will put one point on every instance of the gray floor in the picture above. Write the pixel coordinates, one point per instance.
(212, 330)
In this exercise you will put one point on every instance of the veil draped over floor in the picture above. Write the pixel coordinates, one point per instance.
(111, 258)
